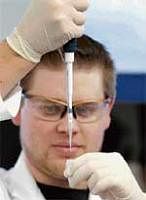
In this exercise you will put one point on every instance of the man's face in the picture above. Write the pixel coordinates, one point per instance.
(46, 143)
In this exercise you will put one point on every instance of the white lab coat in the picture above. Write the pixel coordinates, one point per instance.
(18, 184)
(10, 107)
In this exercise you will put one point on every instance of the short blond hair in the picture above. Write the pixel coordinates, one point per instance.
(89, 54)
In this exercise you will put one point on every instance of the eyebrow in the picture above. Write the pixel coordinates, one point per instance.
(46, 99)
(63, 102)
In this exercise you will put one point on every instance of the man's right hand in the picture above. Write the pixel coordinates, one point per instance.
(46, 26)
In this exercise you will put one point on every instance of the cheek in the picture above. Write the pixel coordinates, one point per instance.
(94, 139)
(94, 135)
(35, 134)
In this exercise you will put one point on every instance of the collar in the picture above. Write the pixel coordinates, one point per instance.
(21, 184)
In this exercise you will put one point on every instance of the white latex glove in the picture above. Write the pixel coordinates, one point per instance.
(107, 175)
(46, 26)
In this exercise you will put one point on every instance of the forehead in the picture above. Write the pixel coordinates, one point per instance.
(87, 84)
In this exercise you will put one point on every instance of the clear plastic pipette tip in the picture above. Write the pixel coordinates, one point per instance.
(69, 58)
(70, 129)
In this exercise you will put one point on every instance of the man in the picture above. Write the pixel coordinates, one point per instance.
(47, 168)
(46, 160)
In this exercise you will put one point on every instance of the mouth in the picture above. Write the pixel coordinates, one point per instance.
(66, 151)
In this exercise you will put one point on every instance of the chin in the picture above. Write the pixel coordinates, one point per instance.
(56, 167)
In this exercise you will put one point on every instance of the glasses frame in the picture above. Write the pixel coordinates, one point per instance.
(101, 102)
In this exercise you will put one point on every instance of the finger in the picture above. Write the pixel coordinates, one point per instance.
(101, 160)
(98, 175)
(67, 171)
(79, 18)
(80, 161)
(82, 174)
(105, 184)
(76, 31)
(81, 5)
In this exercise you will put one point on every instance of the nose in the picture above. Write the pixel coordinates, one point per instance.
(62, 126)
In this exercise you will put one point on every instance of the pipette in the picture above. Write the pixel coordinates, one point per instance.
(69, 50)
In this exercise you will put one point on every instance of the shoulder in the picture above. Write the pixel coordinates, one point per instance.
(3, 172)
(3, 175)
(3, 189)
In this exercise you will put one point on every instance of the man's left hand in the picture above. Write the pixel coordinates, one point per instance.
(107, 175)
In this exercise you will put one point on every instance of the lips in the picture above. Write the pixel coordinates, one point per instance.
(66, 145)
(64, 149)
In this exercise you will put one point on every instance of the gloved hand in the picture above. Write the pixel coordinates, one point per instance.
(107, 175)
(46, 26)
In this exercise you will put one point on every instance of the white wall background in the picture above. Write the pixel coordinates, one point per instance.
(10, 13)
(119, 24)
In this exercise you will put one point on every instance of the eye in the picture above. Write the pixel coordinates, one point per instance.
(86, 109)
(51, 109)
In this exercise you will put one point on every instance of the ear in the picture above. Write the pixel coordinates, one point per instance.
(16, 119)
(108, 121)
(111, 104)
